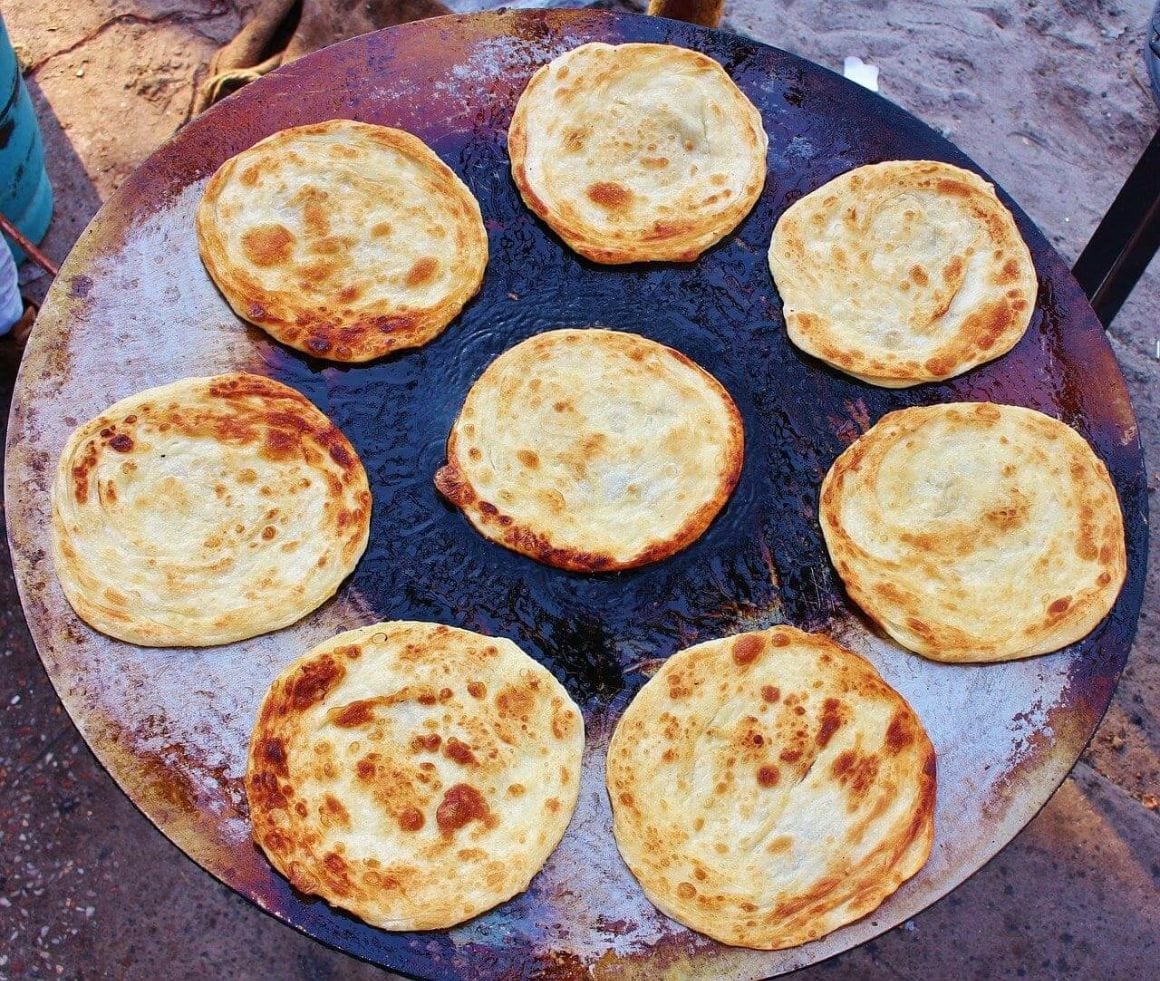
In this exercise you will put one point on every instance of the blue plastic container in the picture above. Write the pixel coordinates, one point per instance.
(25, 194)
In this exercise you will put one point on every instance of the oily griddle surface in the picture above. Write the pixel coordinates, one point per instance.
(133, 308)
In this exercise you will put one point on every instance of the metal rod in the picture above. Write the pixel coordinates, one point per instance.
(1125, 241)
(33, 252)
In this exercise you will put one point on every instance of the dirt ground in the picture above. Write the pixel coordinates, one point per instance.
(1050, 96)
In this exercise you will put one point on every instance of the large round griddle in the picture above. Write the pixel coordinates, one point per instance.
(133, 308)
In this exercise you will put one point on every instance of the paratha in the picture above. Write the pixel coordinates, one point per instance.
(343, 240)
(412, 773)
(206, 511)
(903, 272)
(593, 450)
(770, 787)
(975, 532)
(637, 152)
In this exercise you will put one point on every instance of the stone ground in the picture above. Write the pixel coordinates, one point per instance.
(1050, 97)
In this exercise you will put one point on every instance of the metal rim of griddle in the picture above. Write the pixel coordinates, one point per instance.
(169, 172)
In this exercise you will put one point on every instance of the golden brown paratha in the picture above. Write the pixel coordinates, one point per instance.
(593, 450)
(413, 774)
(342, 239)
(975, 532)
(206, 511)
(637, 152)
(903, 272)
(770, 787)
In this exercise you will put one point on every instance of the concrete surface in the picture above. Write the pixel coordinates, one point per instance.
(1050, 97)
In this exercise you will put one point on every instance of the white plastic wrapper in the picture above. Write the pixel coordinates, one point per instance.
(865, 74)
(11, 306)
